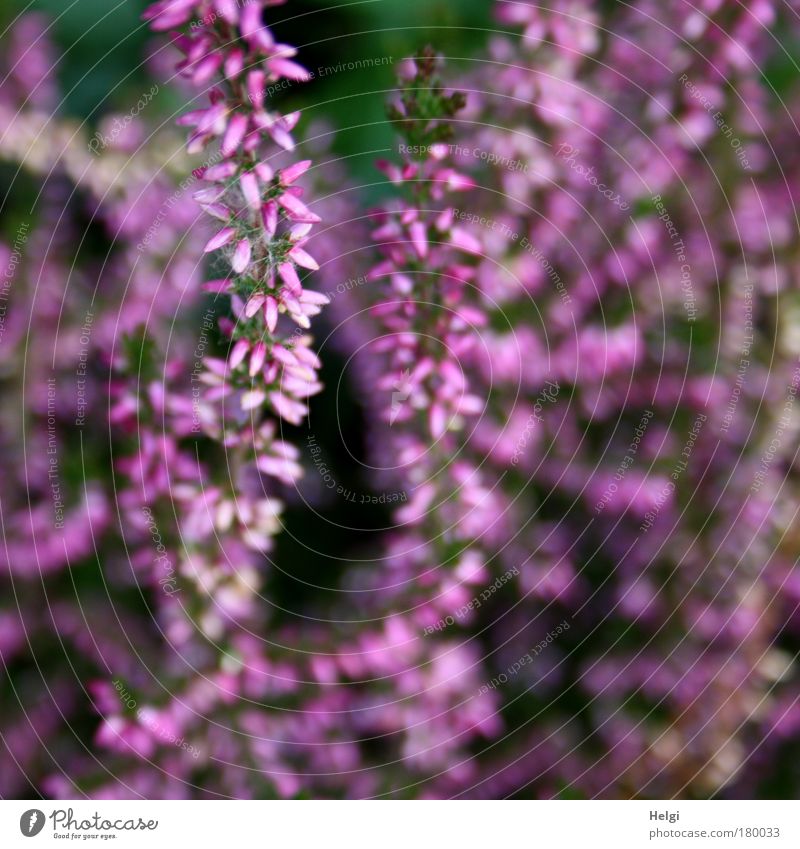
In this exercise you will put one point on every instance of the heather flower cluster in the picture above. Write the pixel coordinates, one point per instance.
(561, 372)
(265, 224)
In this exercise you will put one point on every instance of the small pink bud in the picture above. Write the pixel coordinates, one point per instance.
(254, 304)
(220, 240)
(269, 215)
(303, 259)
(289, 277)
(250, 189)
(234, 63)
(296, 209)
(290, 174)
(257, 358)
(238, 353)
(419, 238)
(237, 127)
(271, 313)
(241, 256)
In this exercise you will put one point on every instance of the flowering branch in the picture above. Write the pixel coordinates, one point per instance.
(265, 222)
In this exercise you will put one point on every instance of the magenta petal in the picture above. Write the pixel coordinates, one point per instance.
(234, 63)
(269, 215)
(271, 313)
(206, 69)
(465, 241)
(254, 398)
(303, 259)
(286, 68)
(438, 421)
(289, 277)
(256, 88)
(238, 353)
(290, 174)
(241, 256)
(257, 358)
(222, 238)
(296, 209)
(237, 127)
(419, 238)
(250, 189)
(254, 304)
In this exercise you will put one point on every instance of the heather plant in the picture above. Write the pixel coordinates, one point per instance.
(651, 514)
(559, 351)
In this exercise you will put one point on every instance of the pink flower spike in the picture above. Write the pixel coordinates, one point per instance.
(237, 127)
(290, 174)
(238, 353)
(220, 240)
(307, 356)
(257, 358)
